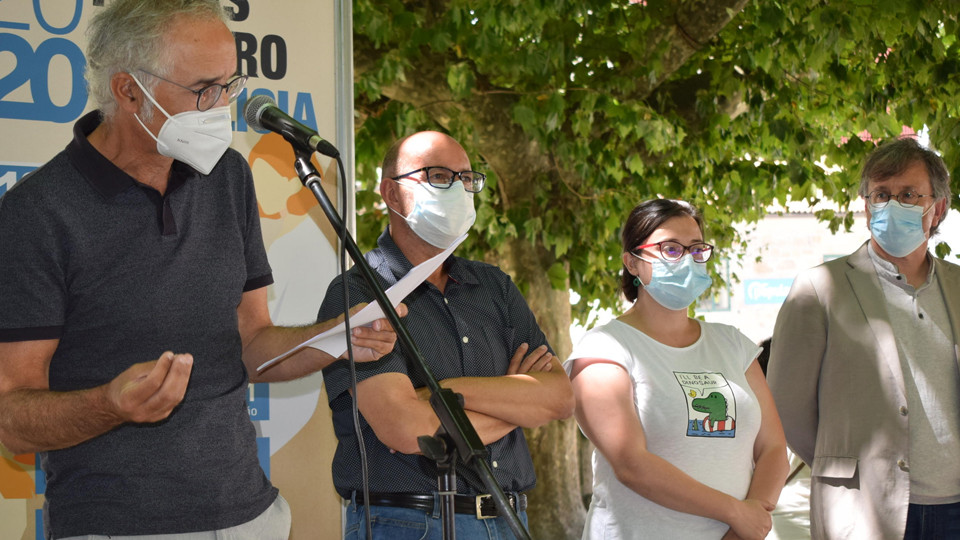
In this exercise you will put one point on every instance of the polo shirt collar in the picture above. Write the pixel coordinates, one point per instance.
(399, 265)
(108, 179)
(891, 273)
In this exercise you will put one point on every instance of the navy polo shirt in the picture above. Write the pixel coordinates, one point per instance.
(471, 329)
(120, 273)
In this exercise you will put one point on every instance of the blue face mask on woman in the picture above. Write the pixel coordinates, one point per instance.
(677, 284)
(897, 229)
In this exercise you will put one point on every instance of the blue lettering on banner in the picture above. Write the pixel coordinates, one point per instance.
(263, 454)
(303, 110)
(31, 69)
(11, 173)
(766, 291)
(39, 477)
(258, 401)
(70, 27)
(38, 523)
(14, 25)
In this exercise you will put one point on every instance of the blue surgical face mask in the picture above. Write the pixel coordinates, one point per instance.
(439, 216)
(677, 284)
(898, 230)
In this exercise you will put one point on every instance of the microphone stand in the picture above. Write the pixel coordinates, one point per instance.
(456, 436)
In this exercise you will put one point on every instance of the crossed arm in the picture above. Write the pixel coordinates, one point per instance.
(606, 413)
(534, 391)
(35, 419)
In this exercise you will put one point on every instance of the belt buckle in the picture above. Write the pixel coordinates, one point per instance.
(479, 502)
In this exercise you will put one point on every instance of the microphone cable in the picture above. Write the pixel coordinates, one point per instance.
(355, 408)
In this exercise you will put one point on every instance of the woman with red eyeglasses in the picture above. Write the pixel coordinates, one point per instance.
(689, 444)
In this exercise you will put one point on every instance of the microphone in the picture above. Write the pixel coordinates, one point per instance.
(262, 113)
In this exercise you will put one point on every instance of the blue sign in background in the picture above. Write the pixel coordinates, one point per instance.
(766, 291)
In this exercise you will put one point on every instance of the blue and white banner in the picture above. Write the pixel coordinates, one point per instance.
(289, 50)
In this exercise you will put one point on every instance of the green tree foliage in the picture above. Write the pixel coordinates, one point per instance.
(578, 110)
(595, 106)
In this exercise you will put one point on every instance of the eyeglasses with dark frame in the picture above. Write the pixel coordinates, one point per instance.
(672, 251)
(443, 178)
(907, 198)
(208, 96)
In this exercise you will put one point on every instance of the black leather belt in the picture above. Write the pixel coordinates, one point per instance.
(481, 506)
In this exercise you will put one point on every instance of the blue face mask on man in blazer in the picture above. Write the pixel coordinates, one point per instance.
(897, 228)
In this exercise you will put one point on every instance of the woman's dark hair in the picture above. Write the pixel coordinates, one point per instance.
(643, 220)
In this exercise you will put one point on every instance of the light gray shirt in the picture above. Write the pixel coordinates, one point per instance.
(931, 378)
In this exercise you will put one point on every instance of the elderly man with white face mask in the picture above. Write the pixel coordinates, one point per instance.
(864, 364)
(134, 296)
(478, 336)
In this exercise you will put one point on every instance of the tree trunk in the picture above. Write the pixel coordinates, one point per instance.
(556, 508)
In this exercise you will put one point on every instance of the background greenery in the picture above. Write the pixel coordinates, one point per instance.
(579, 110)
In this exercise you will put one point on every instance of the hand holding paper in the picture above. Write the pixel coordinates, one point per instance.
(334, 340)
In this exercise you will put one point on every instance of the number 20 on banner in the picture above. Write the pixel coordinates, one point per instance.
(32, 67)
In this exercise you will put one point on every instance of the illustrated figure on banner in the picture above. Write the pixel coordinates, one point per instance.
(298, 238)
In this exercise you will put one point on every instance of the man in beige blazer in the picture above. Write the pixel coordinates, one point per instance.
(864, 364)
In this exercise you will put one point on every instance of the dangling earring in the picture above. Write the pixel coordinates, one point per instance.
(636, 282)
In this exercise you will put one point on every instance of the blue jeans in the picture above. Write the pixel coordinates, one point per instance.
(392, 523)
(933, 522)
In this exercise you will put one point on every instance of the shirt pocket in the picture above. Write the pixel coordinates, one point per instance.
(496, 351)
(834, 466)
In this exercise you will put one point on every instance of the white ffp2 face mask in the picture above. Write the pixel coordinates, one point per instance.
(440, 216)
(197, 138)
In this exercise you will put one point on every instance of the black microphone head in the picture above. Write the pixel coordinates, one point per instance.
(254, 109)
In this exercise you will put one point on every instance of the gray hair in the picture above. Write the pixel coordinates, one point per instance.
(128, 35)
(894, 157)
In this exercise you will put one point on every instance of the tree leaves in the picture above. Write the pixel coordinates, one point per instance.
(581, 110)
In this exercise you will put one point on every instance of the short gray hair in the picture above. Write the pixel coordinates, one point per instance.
(127, 35)
(892, 158)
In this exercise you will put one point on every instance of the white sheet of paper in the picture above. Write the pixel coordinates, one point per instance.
(334, 341)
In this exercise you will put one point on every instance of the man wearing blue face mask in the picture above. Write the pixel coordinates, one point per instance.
(864, 364)
(478, 336)
(138, 241)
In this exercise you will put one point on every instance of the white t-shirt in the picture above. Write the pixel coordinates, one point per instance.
(698, 412)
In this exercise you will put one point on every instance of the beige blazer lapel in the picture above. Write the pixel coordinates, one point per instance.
(866, 287)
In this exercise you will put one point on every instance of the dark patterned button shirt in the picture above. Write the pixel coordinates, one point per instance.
(470, 330)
